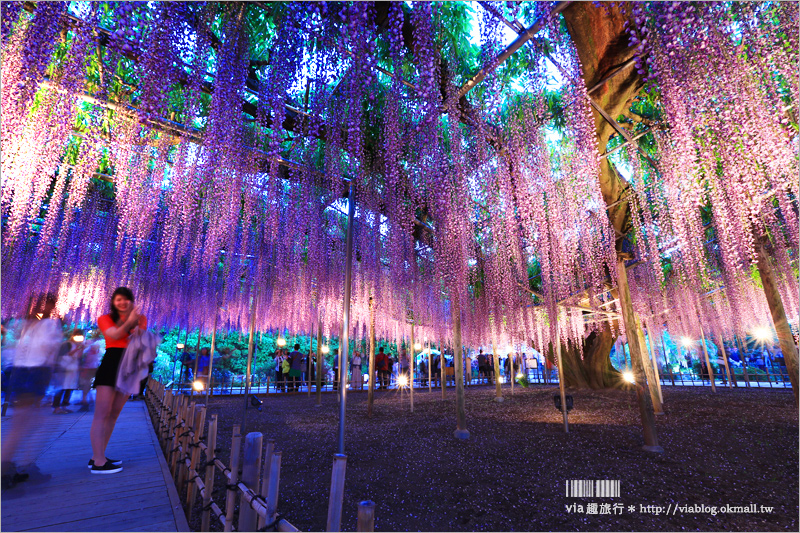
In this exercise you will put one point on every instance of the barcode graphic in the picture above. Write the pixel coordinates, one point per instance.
(592, 488)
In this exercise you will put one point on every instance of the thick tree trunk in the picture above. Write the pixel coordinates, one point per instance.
(595, 370)
(779, 320)
(602, 46)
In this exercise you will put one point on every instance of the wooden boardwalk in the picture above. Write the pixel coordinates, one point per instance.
(140, 498)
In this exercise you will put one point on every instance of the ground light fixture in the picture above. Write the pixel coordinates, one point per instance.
(402, 380)
(325, 349)
(198, 385)
(417, 346)
(281, 342)
(255, 402)
(629, 377)
(78, 338)
(686, 342)
(179, 346)
(520, 375)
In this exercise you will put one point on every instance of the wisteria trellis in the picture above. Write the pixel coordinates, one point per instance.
(207, 203)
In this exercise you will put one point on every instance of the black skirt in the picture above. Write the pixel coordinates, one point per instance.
(107, 371)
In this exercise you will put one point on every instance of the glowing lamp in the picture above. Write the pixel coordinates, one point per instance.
(628, 376)
(686, 342)
(281, 342)
(78, 338)
(762, 333)
(417, 346)
(325, 349)
(197, 385)
(402, 380)
(519, 375)
(179, 346)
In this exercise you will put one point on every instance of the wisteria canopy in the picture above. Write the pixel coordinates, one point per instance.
(201, 153)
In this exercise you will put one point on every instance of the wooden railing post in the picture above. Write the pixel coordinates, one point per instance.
(199, 423)
(251, 469)
(173, 446)
(230, 499)
(366, 516)
(265, 475)
(274, 484)
(337, 493)
(205, 521)
(184, 441)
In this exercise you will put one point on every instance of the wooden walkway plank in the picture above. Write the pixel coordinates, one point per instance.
(140, 498)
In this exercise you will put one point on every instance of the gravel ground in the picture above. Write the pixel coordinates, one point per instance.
(734, 448)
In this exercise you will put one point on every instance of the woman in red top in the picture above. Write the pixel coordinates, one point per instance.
(117, 327)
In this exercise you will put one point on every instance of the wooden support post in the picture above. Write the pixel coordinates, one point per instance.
(512, 375)
(366, 516)
(274, 484)
(430, 375)
(411, 367)
(649, 370)
(205, 521)
(230, 498)
(337, 493)
(265, 474)
(442, 369)
(199, 426)
(371, 386)
(498, 393)
(720, 344)
(743, 359)
(708, 361)
(780, 322)
(637, 360)
(251, 469)
(461, 432)
(666, 359)
(561, 381)
(654, 357)
(319, 366)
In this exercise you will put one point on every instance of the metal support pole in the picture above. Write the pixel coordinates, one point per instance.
(250, 349)
(211, 357)
(561, 379)
(344, 346)
(197, 355)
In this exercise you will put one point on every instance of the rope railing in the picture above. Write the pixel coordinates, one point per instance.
(179, 423)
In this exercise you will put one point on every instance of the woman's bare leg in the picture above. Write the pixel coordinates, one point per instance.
(116, 408)
(104, 404)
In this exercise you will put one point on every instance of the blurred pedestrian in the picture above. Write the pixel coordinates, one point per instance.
(356, 381)
(88, 368)
(384, 371)
(117, 326)
(34, 359)
(67, 371)
(296, 362)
